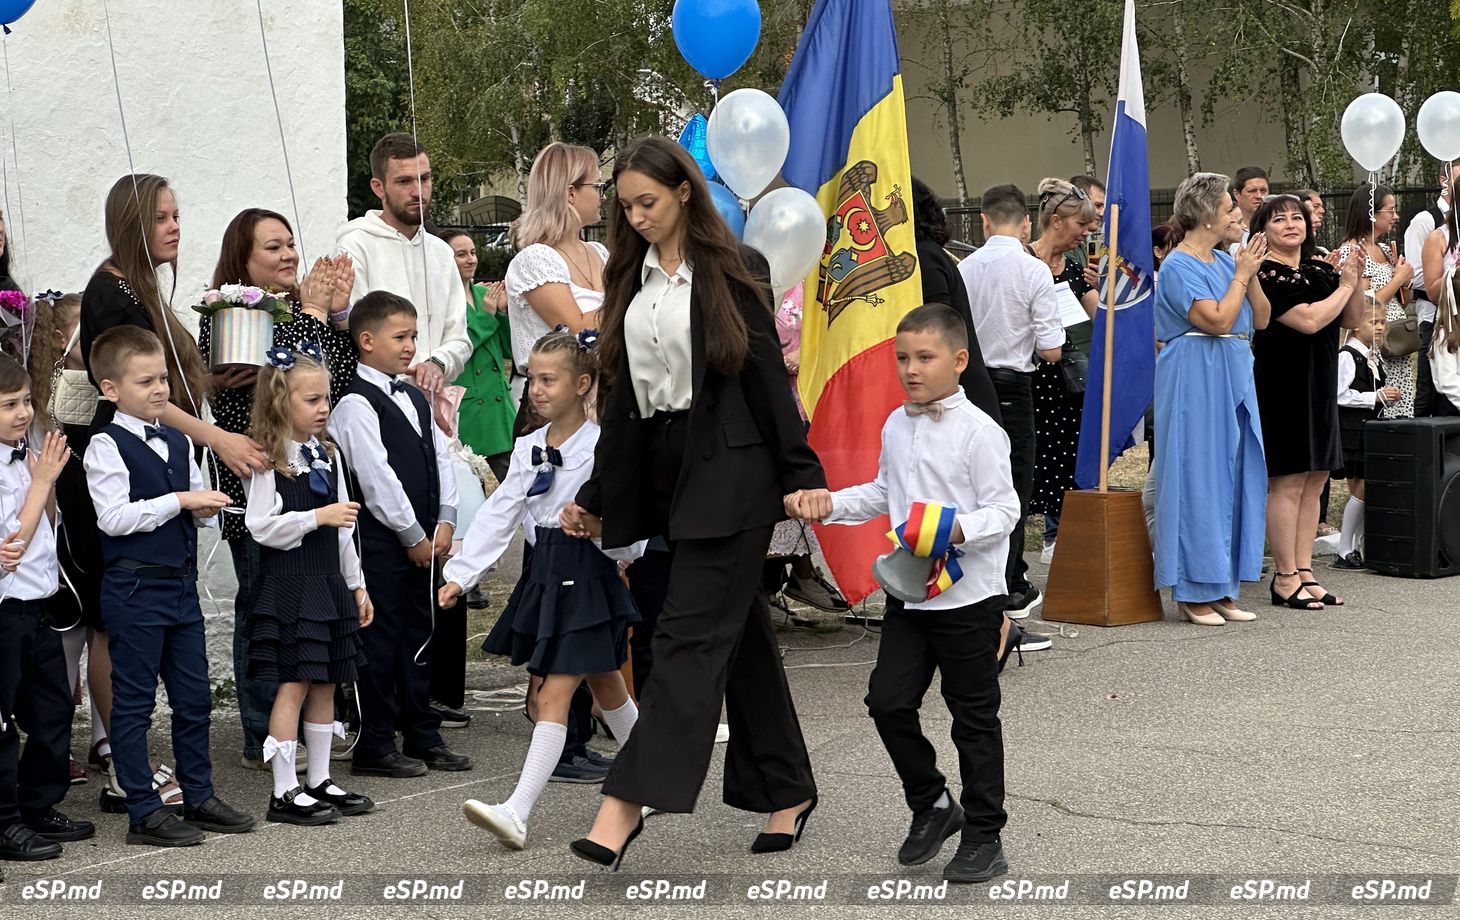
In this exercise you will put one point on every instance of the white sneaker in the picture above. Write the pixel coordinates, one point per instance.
(501, 820)
(722, 734)
(1046, 555)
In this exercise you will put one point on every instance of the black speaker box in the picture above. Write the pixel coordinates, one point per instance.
(1412, 511)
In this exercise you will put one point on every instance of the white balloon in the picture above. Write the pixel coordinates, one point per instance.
(748, 140)
(1438, 125)
(1372, 130)
(788, 228)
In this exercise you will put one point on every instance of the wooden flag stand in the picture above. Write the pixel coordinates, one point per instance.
(1102, 573)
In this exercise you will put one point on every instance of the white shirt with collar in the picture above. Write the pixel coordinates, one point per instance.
(510, 507)
(658, 340)
(111, 485)
(36, 576)
(960, 460)
(1420, 227)
(355, 427)
(1348, 397)
(276, 528)
(1015, 309)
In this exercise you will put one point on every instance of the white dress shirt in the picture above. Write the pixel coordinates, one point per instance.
(278, 529)
(657, 338)
(960, 460)
(510, 507)
(111, 484)
(36, 576)
(1420, 227)
(355, 427)
(1016, 311)
(1348, 397)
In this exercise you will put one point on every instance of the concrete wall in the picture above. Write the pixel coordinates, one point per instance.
(198, 111)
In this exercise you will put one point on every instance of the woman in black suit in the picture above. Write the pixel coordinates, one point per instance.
(701, 442)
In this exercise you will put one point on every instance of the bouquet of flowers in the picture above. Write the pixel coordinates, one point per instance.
(16, 304)
(244, 296)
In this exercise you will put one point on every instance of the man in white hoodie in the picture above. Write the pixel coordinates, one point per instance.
(393, 253)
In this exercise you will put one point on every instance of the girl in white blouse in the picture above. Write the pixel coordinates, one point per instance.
(568, 617)
(310, 598)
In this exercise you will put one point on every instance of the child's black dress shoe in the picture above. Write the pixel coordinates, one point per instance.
(162, 828)
(348, 803)
(217, 816)
(287, 809)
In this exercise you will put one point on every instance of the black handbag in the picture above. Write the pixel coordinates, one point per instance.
(1073, 365)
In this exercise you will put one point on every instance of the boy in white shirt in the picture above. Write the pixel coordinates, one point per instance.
(941, 448)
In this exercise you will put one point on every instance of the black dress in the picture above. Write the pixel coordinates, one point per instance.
(303, 623)
(569, 613)
(1057, 417)
(1297, 374)
(232, 409)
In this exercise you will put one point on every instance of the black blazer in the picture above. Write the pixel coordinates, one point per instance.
(745, 447)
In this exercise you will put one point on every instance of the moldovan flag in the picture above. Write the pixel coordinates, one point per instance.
(843, 98)
(1133, 379)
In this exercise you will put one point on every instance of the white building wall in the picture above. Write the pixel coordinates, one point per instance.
(198, 111)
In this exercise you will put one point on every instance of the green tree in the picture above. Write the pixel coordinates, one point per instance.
(376, 93)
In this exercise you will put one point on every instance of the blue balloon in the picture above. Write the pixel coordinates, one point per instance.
(717, 37)
(729, 207)
(11, 10)
(695, 139)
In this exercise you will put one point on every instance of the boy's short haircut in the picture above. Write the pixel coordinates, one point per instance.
(13, 377)
(939, 318)
(372, 310)
(1004, 204)
(115, 347)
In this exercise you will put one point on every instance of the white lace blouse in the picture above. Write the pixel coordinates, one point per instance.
(530, 269)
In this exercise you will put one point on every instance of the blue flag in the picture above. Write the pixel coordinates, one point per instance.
(1133, 375)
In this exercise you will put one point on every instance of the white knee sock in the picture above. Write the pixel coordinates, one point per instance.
(1352, 530)
(317, 739)
(621, 721)
(280, 754)
(548, 739)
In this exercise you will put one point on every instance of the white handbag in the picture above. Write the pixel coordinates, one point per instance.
(73, 398)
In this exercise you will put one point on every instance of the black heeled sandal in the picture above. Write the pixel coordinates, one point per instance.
(1012, 643)
(776, 843)
(1328, 600)
(1298, 600)
(598, 853)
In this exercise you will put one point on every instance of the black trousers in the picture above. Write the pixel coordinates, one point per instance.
(1016, 405)
(394, 692)
(961, 645)
(448, 657)
(36, 699)
(649, 584)
(1424, 381)
(713, 641)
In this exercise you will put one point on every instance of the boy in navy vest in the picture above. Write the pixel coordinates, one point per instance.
(399, 470)
(34, 693)
(149, 499)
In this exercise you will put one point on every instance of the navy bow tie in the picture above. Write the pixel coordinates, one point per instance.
(549, 459)
(319, 483)
(398, 386)
(154, 431)
(18, 453)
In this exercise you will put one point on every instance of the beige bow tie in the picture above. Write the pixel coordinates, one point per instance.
(935, 409)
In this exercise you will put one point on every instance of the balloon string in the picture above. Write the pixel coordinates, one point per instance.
(15, 157)
(283, 145)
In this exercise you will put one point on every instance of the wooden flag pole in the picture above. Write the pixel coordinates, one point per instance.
(1110, 257)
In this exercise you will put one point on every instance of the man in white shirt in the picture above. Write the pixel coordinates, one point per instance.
(1420, 227)
(1016, 314)
(392, 253)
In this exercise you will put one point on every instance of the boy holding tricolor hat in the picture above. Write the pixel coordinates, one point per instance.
(944, 472)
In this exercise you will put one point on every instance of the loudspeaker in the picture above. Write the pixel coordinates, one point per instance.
(1412, 511)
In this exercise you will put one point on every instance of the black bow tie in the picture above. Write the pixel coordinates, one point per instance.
(319, 483)
(154, 431)
(18, 453)
(549, 459)
(398, 386)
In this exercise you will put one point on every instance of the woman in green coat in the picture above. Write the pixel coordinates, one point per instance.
(487, 409)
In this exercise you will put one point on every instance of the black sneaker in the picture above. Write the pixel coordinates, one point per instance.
(1022, 605)
(976, 862)
(443, 758)
(287, 809)
(579, 770)
(1033, 641)
(451, 718)
(162, 828)
(1352, 561)
(348, 803)
(394, 765)
(602, 760)
(21, 844)
(816, 591)
(217, 816)
(55, 826)
(928, 831)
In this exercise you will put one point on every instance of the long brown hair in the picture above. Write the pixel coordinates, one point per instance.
(719, 271)
(54, 323)
(269, 421)
(237, 246)
(130, 206)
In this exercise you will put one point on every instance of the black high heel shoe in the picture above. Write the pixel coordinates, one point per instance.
(598, 853)
(1298, 600)
(1012, 643)
(1327, 599)
(775, 843)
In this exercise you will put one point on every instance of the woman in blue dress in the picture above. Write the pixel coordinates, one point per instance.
(1211, 480)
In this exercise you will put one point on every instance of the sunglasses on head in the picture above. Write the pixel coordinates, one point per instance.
(1074, 193)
